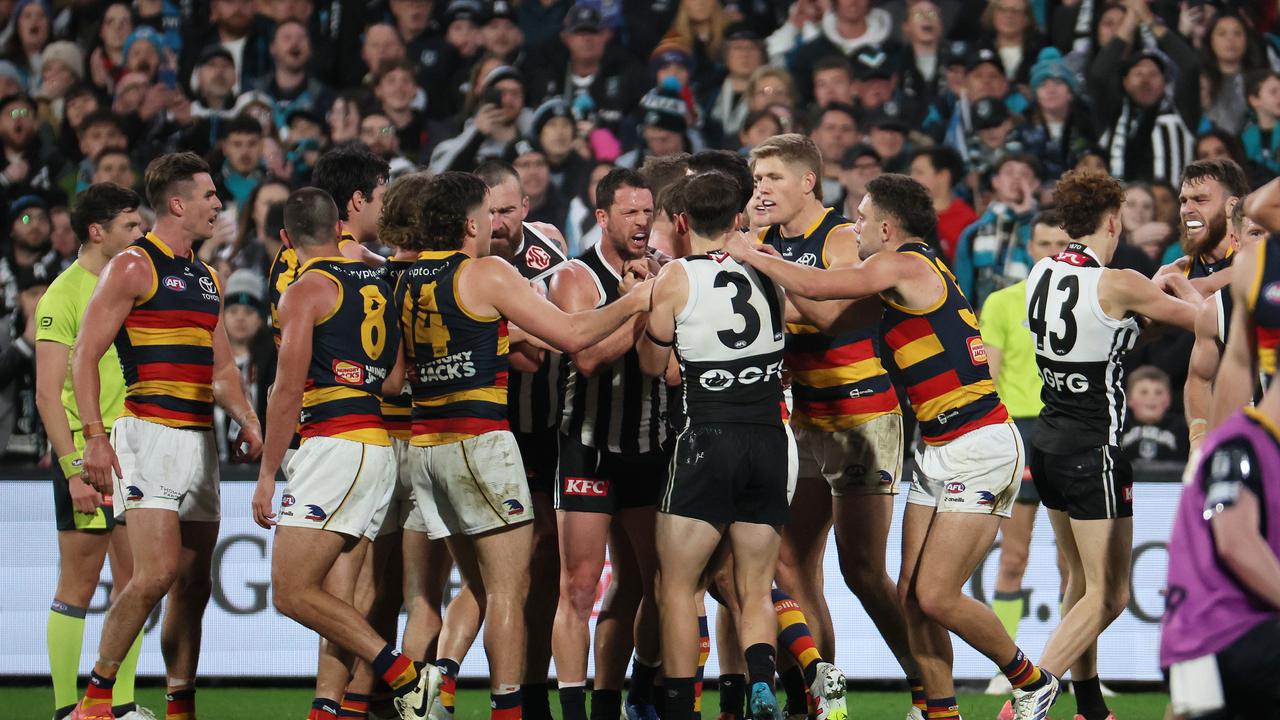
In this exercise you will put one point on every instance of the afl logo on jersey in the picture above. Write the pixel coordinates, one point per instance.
(808, 259)
(348, 372)
(537, 258)
(174, 283)
(977, 350)
(1272, 293)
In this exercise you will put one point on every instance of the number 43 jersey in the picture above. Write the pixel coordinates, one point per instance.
(729, 341)
(1078, 351)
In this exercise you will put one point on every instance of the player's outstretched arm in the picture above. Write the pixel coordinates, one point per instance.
(125, 279)
(305, 301)
(1197, 394)
(670, 292)
(573, 291)
(229, 392)
(356, 251)
(510, 294)
(1263, 206)
(1240, 355)
(1129, 291)
(861, 281)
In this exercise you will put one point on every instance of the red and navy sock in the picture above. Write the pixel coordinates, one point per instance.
(180, 704)
(1023, 674)
(448, 683)
(354, 705)
(504, 706)
(99, 691)
(395, 670)
(943, 709)
(918, 699)
(323, 709)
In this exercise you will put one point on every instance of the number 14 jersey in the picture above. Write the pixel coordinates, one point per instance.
(729, 340)
(1078, 351)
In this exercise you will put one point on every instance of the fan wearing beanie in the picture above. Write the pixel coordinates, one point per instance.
(1060, 125)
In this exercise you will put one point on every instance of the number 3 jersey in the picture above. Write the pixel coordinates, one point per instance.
(1078, 351)
(354, 347)
(729, 340)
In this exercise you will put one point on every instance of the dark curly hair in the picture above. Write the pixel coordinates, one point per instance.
(449, 199)
(1084, 197)
(400, 224)
(906, 201)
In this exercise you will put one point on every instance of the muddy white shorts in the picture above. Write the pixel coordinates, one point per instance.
(978, 472)
(167, 469)
(471, 486)
(337, 485)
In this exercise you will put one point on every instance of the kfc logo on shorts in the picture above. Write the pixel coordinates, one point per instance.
(586, 487)
(287, 500)
(537, 258)
(1128, 493)
(513, 507)
(955, 488)
(977, 350)
(348, 372)
(174, 283)
(316, 513)
(986, 497)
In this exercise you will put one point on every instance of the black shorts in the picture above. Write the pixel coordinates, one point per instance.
(539, 450)
(1089, 484)
(591, 480)
(729, 472)
(66, 516)
(1027, 493)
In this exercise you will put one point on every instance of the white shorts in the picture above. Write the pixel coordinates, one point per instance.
(167, 469)
(793, 462)
(402, 512)
(863, 460)
(471, 486)
(337, 485)
(978, 472)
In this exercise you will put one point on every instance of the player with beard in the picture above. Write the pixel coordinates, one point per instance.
(1212, 332)
(1208, 189)
(161, 307)
(613, 440)
(968, 473)
(847, 420)
(1254, 332)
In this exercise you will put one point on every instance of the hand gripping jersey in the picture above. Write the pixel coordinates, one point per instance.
(1264, 307)
(397, 409)
(458, 358)
(729, 341)
(354, 347)
(1078, 351)
(533, 399)
(166, 342)
(942, 359)
(836, 382)
(1207, 607)
(617, 409)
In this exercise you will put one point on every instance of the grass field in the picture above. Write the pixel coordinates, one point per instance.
(232, 703)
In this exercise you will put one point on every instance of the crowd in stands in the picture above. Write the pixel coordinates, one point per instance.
(985, 102)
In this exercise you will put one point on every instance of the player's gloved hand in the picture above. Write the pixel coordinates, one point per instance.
(261, 503)
(249, 441)
(99, 462)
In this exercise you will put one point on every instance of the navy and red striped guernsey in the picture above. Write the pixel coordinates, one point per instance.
(397, 409)
(942, 359)
(458, 359)
(283, 271)
(166, 342)
(353, 348)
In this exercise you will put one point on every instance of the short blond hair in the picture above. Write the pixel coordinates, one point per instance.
(794, 149)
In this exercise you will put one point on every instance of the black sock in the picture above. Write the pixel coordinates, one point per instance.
(534, 702)
(62, 712)
(760, 664)
(1089, 700)
(679, 698)
(733, 695)
(121, 710)
(573, 702)
(659, 696)
(794, 685)
(606, 704)
(642, 676)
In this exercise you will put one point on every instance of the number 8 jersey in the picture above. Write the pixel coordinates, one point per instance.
(1078, 351)
(729, 340)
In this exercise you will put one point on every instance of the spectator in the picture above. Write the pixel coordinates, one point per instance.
(98, 131)
(992, 252)
(581, 229)
(555, 133)
(1010, 30)
(1218, 144)
(415, 24)
(1261, 141)
(1140, 228)
(234, 25)
(770, 86)
(378, 133)
(112, 164)
(501, 33)
(1145, 132)
(859, 165)
(847, 26)
(396, 88)
(62, 66)
(834, 131)
(292, 86)
(984, 78)
(30, 259)
(212, 84)
(923, 65)
(241, 169)
(448, 58)
(106, 61)
(1228, 55)
(833, 82)
(1153, 432)
(495, 126)
(62, 238)
(382, 45)
(700, 25)
(27, 163)
(542, 20)
(760, 125)
(727, 103)
(22, 438)
(30, 33)
(586, 63)
(255, 246)
(888, 134)
(1060, 126)
(244, 316)
(993, 135)
(546, 204)
(345, 117)
(940, 169)
(144, 53)
(665, 128)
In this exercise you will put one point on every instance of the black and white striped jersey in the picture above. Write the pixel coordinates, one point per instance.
(1078, 352)
(617, 409)
(729, 341)
(533, 399)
